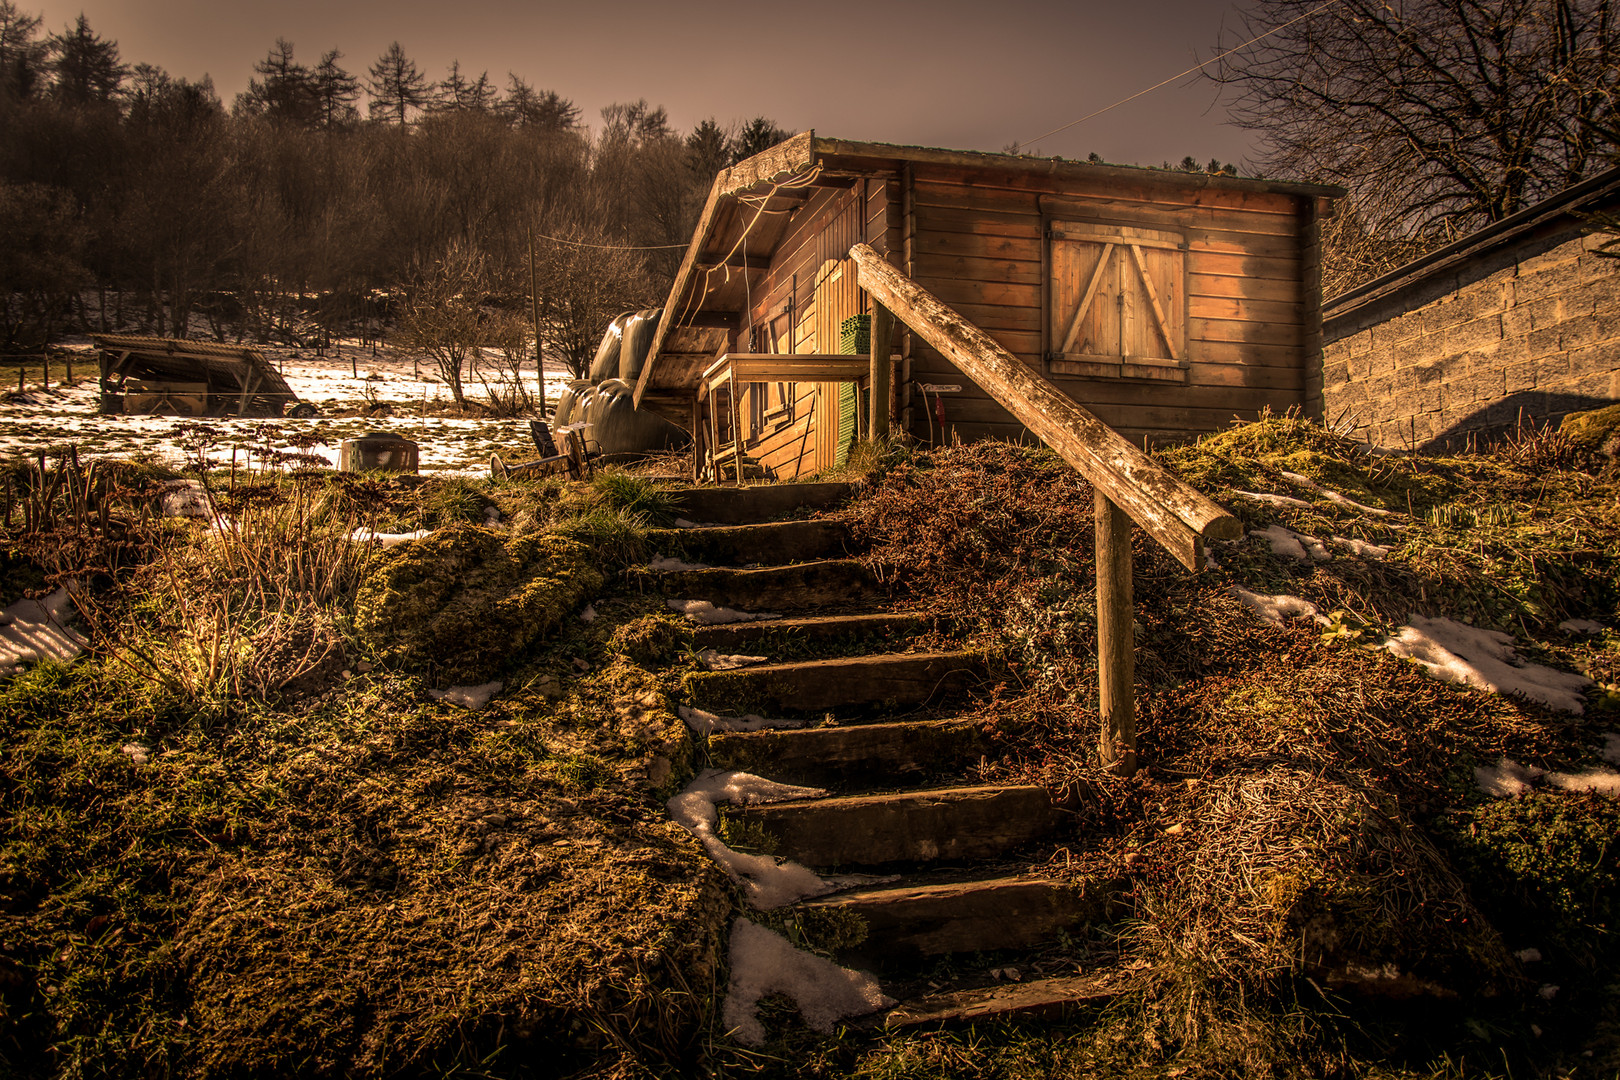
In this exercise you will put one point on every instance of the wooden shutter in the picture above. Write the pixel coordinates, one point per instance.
(1118, 301)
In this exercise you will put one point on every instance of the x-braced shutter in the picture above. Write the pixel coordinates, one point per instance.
(1118, 301)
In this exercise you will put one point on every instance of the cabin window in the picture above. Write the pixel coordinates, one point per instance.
(1117, 301)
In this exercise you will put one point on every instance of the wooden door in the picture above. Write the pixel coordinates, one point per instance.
(1117, 301)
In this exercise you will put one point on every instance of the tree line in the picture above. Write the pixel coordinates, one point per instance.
(131, 197)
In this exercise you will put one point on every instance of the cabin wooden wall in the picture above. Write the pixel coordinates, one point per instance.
(803, 440)
(977, 240)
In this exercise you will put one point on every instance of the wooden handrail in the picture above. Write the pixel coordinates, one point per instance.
(1173, 513)
(1126, 481)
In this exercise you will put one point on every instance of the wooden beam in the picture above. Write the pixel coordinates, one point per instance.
(1173, 513)
(1116, 638)
(739, 261)
(882, 370)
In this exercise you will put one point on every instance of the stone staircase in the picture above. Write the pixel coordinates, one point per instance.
(957, 863)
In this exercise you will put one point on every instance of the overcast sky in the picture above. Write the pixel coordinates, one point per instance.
(966, 75)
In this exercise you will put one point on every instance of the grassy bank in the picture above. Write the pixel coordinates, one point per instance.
(244, 837)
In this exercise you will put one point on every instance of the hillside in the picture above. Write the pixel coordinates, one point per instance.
(268, 826)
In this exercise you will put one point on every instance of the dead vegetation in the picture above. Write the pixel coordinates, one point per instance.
(339, 874)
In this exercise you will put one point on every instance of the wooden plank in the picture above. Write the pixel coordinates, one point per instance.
(1113, 234)
(1086, 297)
(1261, 311)
(959, 267)
(784, 159)
(1279, 221)
(1247, 266)
(1248, 332)
(980, 246)
(1268, 290)
(993, 293)
(1172, 344)
(1175, 514)
(1019, 224)
(1116, 639)
(1159, 186)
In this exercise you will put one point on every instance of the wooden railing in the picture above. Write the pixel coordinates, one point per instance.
(1129, 485)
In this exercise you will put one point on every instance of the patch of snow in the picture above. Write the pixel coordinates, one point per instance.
(767, 883)
(1330, 495)
(1611, 747)
(371, 536)
(707, 723)
(1280, 608)
(669, 562)
(705, 613)
(684, 523)
(468, 697)
(1272, 500)
(1485, 659)
(1362, 548)
(1507, 778)
(717, 661)
(1549, 991)
(1581, 626)
(35, 630)
(135, 752)
(589, 614)
(764, 962)
(1293, 545)
(1335, 497)
(1528, 956)
(1602, 781)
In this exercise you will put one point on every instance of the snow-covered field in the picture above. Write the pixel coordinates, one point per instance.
(341, 390)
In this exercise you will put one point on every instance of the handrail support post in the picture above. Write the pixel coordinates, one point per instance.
(1116, 638)
(882, 370)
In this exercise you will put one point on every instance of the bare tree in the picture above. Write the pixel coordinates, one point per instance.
(397, 87)
(444, 315)
(585, 282)
(1439, 115)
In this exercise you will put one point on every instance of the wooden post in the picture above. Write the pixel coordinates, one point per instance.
(882, 370)
(534, 314)
(1116, 638)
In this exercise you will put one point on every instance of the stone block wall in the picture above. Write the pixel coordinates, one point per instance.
(1531, 335)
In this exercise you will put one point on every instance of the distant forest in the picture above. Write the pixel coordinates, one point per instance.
(323, 200)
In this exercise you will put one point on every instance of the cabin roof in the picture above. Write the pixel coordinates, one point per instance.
(751, 204)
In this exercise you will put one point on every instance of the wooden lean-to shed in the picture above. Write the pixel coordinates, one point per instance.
(1168, 303)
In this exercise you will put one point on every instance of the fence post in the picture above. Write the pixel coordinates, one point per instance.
(878, 383)
(1116, 638)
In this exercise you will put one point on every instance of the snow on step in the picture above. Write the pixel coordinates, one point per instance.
(914, 826)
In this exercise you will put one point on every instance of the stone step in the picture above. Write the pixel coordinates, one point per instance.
(906, 827)
(910, 921)
(1039, 997)
(852, 682)
(849, 753)
(766, 502)
(774, 588)
(767, 544)
(809, 630)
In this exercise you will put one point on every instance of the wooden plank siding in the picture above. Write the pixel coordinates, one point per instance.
(981, 245)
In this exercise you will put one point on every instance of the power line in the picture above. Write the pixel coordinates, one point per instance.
(609, 247)
(1184, 74)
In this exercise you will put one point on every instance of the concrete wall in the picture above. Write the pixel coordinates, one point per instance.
(1531, 330)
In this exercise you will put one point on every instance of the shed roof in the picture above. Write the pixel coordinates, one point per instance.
(756, 199)
(1445, 267)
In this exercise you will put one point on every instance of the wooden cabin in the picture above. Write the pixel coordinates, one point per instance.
(1168, 303)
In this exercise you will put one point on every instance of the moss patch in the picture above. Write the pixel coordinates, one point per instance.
(465, 599)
